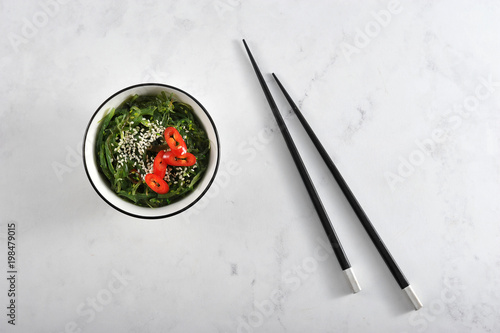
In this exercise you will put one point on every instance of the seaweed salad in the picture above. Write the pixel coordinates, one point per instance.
(152, 150)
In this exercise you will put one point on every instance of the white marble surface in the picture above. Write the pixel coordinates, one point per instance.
(377, 102)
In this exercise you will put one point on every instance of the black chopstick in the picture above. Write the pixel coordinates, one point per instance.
(360, 213)
(313, 194)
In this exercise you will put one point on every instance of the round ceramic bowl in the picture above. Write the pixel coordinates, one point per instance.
(99, 182)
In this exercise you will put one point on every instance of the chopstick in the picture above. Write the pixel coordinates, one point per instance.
(313, 194)
(360, 213)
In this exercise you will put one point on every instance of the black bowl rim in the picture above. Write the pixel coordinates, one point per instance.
(180, 210)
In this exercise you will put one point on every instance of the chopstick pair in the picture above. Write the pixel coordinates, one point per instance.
(323, 216)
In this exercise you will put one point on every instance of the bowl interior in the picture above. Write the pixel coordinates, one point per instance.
(99, 182)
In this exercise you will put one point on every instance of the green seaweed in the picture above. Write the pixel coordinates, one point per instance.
(138, 113)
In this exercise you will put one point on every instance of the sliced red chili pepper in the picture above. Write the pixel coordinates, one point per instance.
(187, 159)
(156, 183)
(175, 141)
(159, 165)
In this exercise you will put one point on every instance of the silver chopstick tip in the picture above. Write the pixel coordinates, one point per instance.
(349, 273)
(413, 297)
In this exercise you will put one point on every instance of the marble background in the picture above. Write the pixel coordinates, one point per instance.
(404, 95)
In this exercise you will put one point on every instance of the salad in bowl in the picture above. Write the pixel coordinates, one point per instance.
(151, 151)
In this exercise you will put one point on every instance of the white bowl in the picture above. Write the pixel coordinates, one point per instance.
(99, 182)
